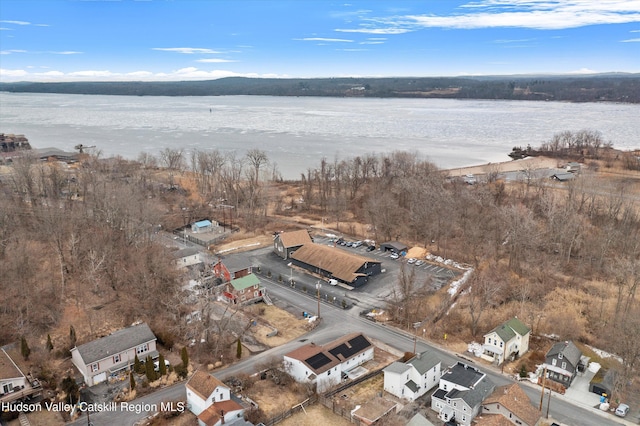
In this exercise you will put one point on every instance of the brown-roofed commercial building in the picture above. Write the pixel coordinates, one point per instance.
(286, 243)
(332, 262)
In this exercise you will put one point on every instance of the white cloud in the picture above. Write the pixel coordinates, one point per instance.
(190, 73)
(16, 22)
(186, 50)
(67, 52)
(10, 51)
(6, 29)
(504, 41)
(214, 60)
(583, 71)
(536, 14)
(371, 42)
(631, 40)
(332, 40)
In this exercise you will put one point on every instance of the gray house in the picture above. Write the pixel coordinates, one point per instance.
(285, 243)
(460, 393)
(99, 359)
(563, 361)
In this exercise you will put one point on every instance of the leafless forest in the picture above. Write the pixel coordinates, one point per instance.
(79, 244)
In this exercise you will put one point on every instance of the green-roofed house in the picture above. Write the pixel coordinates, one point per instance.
(509, 340)
(244, 290)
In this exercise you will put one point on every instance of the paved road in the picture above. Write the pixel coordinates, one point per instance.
(335, 323)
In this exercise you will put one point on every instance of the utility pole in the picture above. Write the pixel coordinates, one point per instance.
(318, 287)
(548, 403)
(544, 378)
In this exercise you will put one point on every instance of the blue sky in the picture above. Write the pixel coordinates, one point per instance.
(97, 40)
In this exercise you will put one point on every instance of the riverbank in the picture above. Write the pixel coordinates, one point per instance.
(531, 163)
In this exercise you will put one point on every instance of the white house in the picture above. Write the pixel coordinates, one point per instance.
(210, 400)
(186, 257)
(108, 355)
(460, 393)
(508, 340)
(412, 379)
(11, 378)
(324, 366)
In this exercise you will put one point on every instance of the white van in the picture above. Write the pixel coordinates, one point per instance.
(333, 282)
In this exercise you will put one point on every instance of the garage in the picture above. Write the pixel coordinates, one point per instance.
(394, 246)
(99, 378)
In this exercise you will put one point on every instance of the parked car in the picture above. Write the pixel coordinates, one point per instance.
(333, 281)
(411, 260)
(156, 364)
(419, 262)
(394, 255)
(622, 410)
(356, 244)
(371, 248)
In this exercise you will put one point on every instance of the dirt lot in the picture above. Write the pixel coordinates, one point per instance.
(289, 327)
(314, 416)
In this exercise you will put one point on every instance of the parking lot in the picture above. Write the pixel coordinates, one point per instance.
(372, 294)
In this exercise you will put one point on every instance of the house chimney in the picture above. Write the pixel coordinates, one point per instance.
(222, 415)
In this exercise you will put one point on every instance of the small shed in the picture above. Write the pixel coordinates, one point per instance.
(202, 226)
(573, 167)
(394, 246)
(563, 176)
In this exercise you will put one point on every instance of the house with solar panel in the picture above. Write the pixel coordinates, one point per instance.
(412, 379)
(460, 393)
(101, 358)
(324, 366)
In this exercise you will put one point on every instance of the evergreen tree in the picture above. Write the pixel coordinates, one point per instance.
(239, 350)
(72, 337)
(49, 343)
(161, 366)
(185, 357)
(24, 348)
(70, 387)
(137, 365)
(132, 381)
(149, 371)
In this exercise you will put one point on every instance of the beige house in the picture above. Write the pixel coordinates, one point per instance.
(509, 340)
(285, 243)
(99, 359)
(508, 404)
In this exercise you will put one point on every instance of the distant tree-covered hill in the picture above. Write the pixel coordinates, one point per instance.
(593, 88)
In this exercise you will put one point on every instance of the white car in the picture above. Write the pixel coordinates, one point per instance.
(411, 260)
(156, 364)
(419, 262)
(394, 255)
(333, 281)
(622, 410)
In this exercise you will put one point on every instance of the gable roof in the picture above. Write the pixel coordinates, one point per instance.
(396, 368)
(8, 368)
(321, 358)
(569, 351)
(294, 238)
(424, 361)
(115, 343)
(508, 330)
(514, 399)
(245, 282)
(478, 393)
(215, 412)
(185, 252)
(341, 264)
(419, 420)
(204, 384)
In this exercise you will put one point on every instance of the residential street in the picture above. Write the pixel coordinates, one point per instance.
(337, 322)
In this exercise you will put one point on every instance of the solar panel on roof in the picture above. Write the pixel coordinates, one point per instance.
(318, 361)
(357, 344)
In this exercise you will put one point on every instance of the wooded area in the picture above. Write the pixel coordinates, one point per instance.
(562, 257)
(616, 87)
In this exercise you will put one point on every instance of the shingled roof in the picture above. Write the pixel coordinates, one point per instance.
(508, 330)
(514, 399)
(341, 264)
(8, 368)
(569, 351)
(295, 238)
(203, 384)
(115, 343)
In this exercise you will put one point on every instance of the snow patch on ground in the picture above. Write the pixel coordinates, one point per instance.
(604, 354)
